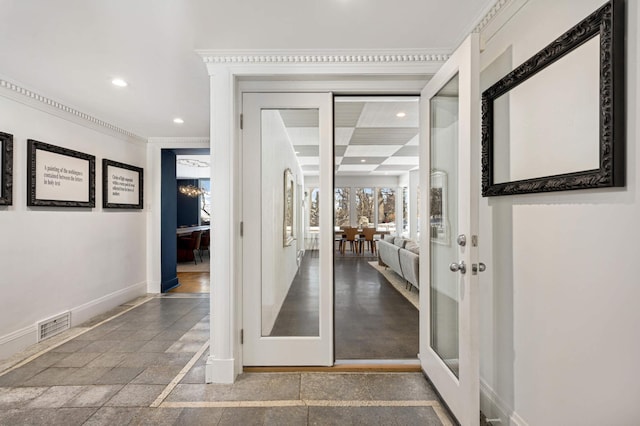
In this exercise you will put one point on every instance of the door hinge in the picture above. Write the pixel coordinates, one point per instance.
(242, 336)
(241, 229)
(241, 121)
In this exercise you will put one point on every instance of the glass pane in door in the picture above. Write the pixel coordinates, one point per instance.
(290, 268)
(443, 219)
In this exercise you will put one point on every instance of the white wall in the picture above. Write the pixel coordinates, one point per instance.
(58, 259)
(560, 342)
(279, 264)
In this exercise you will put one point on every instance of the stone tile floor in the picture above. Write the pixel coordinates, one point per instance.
(144, 364)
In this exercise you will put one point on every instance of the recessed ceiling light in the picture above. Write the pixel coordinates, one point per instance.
(297, 152)
(401, 114)
(119, 82)
(178, 120)
(363, 161)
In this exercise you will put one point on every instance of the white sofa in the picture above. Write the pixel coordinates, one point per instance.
(402, 256)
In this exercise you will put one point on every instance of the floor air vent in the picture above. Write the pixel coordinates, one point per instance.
(55, 325)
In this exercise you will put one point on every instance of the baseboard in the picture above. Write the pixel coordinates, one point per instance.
(220, 371)
(83, 313)
(168, 285)
(493, 407)
(18, 340)
(21, 339)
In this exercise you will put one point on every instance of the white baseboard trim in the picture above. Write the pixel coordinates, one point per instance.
(21, 339)
(495, 407)
(83, 313)
(220, 371)
(18, 340)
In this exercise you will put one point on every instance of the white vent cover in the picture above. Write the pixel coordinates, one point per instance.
(55, 325)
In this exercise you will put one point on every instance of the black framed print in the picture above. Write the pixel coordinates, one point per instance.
(557, 122)
(122, 185)
(59, 177)
(6, 169)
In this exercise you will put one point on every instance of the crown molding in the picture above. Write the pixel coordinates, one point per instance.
(415, 56)
(180, 142)
(30, 97)
(498, 6)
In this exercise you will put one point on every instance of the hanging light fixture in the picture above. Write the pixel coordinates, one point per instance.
(190, 190)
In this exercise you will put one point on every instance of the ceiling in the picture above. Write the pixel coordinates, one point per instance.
(373, 136)
(70, 50)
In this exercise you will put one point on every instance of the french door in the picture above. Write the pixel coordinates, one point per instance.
(287, 261)
(449, 352)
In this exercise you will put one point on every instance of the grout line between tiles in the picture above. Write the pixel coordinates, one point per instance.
(167, 390)
(305, 403)
(50, 348)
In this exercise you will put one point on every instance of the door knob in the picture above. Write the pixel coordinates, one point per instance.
(455, 267)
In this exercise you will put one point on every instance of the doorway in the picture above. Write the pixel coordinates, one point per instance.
(376, 162)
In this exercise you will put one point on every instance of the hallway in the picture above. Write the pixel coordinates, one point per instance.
(144, 364)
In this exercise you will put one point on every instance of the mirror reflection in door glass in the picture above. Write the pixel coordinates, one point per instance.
(290, 223)
(443, 218)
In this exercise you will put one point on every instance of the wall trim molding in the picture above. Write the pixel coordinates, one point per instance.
(23, 338)
(497, 7)
(19, 93)
(506, 413)
(219, 370)
(88, 310)
(282, 57)
(176, 142)
(18, 334)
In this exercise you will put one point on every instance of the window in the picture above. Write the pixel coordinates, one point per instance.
(387, 209)
(405, 209)
(314, 208)
(342, 207)
(205, 202)
(364, 207)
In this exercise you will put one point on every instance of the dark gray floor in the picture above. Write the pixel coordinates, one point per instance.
(372, 320)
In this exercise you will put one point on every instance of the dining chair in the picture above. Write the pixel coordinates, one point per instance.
(204, 242)
(369, 234)
(350, 235)
(187, 247)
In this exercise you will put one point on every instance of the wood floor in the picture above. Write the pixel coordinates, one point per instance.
(192, 282)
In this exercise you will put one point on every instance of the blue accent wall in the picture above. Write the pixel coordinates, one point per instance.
(168, 200)
(188, 207)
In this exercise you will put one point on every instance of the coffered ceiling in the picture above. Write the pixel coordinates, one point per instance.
(373, 136)
(71, 50)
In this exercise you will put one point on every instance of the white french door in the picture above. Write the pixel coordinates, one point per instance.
(450, 114)
(287, 282)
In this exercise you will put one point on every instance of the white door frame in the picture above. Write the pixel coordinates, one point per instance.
(231, 73)
(153, 201)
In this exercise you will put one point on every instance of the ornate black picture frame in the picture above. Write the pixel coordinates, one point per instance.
(122, 185)
(608, 23)
(6, 169)
(59, 177)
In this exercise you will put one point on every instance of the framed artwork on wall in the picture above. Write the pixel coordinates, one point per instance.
(59, 177)
(289, 209)
(557, 122)
(6, 169)
(122, 185)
